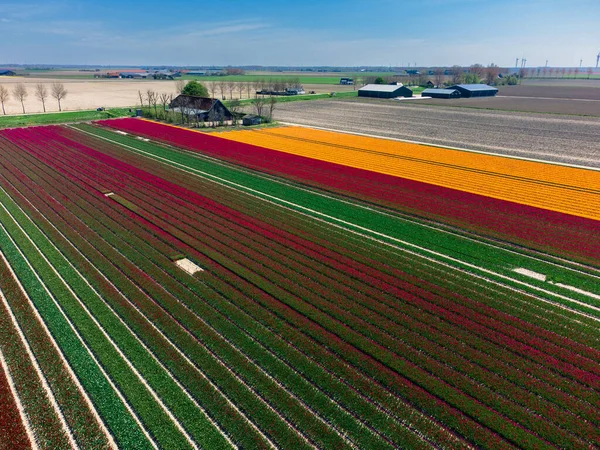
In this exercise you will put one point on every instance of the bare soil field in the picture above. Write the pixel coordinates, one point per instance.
(566, 139)
(585, 107)
(541, 91)
(91, 94)
(573, 82)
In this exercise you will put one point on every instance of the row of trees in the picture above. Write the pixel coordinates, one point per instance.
(227, 88)
(20, 94)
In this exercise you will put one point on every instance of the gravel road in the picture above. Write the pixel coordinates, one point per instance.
(567, 139)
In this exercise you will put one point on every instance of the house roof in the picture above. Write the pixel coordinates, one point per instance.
(474, 87)
(200, 103)
(380, 88)
(438, 91)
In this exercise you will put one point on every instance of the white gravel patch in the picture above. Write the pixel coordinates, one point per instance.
(189, 266)
(530, 273)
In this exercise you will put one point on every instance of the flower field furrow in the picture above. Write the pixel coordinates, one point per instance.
(492, 215)
(461, 364)
(568, 352)
(508, 318)
(201, 364)
(323, 318)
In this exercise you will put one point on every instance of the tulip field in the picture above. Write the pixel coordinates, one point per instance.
(292, 288)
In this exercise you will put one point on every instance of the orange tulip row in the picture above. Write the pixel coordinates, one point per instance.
(558, 188)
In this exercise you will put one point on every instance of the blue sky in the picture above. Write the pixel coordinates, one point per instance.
(338, 32)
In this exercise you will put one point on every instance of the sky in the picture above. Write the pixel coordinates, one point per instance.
(300, 33)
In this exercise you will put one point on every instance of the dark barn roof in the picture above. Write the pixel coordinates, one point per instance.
(440, 93)
(7, 72)
(475, 90)
(384, 91)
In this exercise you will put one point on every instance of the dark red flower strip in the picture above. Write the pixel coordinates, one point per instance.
(566, 232)
(569, 355)
(190, 377)
(565, 343)
(155, 214)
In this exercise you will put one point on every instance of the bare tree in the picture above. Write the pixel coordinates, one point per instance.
(457, 74)
(42, 94)
(141, 99)
(59, 93)
(212, 86)
(149, 97)
(231, 87)
(180, 86)
(152, 101)
(223, 88)
(478, 70)
(20, 93)
(271, 103)
(213, 117)
(491, 73)
(439, 76)
(4, 96)
(164, 100)
(235, 106)
(241, 86)
(259, 104)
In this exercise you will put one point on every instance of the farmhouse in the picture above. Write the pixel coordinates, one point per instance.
(7, 73)
(475, 90)
(138, 75)
(205, 109)
(441, 93)
(384, 91)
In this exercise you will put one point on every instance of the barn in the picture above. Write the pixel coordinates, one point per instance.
(384, 91)
(7, 73)
(475, 90)
(441, 93)
(205, 109)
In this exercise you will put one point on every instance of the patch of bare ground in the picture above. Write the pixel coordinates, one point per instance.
(548, 137)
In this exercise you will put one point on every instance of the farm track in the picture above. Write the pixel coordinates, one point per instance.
(554, 138)
(296, 331)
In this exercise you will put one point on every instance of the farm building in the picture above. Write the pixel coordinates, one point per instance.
(7, 73)
(475, 90)
(441, 93)
(346, 81)
(205, 109)
(384, 91)
(138, 75)
(251, 119)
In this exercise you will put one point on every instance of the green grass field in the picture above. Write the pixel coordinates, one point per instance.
(304, 79)
(60, 117)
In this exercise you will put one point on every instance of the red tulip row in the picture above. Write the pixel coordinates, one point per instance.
(372, 329)
(78, 170)
(506, 302)
(573, 235)
(154, 212)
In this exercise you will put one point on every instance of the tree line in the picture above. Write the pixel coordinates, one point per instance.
(41, 92)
